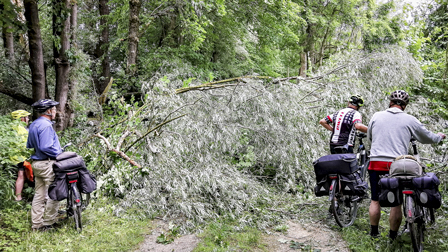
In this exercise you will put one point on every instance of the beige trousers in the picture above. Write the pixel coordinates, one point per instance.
(44, 210)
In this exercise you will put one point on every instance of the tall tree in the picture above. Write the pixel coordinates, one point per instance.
(61, 29)
(134, 26)
(7, 18)
(102, 49)
(36, 61)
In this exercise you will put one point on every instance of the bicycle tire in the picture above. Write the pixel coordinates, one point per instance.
(364, 168)
(76, 208)
(343, 209)
(415, 220)
(432, 217)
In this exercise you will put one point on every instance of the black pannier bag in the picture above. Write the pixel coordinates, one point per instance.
(390, 195)
(323, 186)
(345, 163)
(58, 190)
(69, 164)
(352, 184)
(87, 181)
(427, 190)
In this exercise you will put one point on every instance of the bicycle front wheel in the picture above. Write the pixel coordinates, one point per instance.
(415, 223)
(344, 210)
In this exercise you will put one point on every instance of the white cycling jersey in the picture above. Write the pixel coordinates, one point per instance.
(343, 122)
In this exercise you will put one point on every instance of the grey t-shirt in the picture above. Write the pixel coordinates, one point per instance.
(390, 132)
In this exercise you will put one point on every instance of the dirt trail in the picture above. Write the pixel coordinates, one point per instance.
(299, 235)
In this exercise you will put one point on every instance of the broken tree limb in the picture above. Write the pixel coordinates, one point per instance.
(218, 84)
(120, 153)
(151, 130)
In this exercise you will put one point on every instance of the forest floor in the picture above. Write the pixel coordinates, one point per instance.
(299, 236)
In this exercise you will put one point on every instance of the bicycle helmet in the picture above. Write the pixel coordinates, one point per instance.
(357, 100)
(19, 114)
(400, 97)
(43, 105)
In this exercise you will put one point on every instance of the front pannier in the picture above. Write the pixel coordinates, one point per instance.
(323, 186)
(427, 190)
(390, 195)
(352, 184)
(405, 168)
(345, 163)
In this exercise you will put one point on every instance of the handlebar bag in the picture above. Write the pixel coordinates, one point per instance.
(405, 168)
(58, 190)
(390, 195)
(352, 184)
(323, 187)
(427, 190)
(345, 163)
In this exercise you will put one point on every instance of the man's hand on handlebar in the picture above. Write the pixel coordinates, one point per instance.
(442, 135)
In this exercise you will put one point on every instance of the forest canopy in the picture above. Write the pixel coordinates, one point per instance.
(201, 109)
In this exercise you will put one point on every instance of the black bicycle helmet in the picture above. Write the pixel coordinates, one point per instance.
(43, 105)
(357, 100)
(399, 97)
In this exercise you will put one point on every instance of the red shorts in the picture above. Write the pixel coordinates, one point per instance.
(379, 165)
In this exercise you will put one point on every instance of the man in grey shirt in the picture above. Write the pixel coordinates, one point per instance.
(390, 132)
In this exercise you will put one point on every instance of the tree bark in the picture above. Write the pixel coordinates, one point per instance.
(61, 63)
(8, 42)
(303, 64)
(36, 61)
(103, 48)
(134, 24)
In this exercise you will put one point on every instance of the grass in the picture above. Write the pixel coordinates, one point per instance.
(102, 231)
(222, 236)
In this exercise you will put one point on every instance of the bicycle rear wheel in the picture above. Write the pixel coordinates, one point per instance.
(76, 207)
(415, 220)
(344, 210)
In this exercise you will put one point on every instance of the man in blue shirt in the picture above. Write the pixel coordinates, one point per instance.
(43, 139)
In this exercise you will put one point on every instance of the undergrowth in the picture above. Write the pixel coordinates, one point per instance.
(102, 231)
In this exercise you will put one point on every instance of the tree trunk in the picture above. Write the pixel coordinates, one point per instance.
(303, 64)
(8, 42)
(61, 63)
(36, 61)
(103, 49)
(134, 24)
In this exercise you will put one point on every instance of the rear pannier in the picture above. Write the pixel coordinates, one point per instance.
(352, 184)
(323, 186)
(345, 163)
(427, 190)
(390, 195)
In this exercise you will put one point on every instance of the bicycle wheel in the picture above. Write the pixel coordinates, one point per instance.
(414, 219)
(76, 207)
(344, 210)
(364, 170)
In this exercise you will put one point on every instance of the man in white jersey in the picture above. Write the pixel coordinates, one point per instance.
(345, 123)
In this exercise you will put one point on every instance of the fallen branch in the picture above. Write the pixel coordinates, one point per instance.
(218, 84)
(120, 153)
(151, 130)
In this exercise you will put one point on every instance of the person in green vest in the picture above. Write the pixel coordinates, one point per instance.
(22, 133)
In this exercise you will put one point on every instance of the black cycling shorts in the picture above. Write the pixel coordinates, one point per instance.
(20, 166)
(336, 151)
(374, 179)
